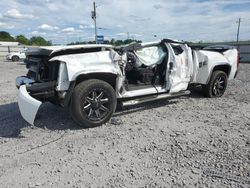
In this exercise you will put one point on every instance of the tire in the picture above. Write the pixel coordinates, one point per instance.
(93, 102)
(217, 85)
(15, 58)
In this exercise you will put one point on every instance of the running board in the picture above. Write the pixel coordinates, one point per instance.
(156, 97)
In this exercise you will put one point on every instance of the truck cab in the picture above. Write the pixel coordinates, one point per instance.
(89, 80)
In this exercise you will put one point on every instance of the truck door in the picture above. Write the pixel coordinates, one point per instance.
(179, 68)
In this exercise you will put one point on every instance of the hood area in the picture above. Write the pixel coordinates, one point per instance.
(52, 51)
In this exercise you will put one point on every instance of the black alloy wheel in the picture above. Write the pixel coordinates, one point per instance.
(15, 58)
(217, 85)
(93, 102)
(96, 105)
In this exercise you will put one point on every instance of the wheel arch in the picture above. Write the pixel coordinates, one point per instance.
(110, 78)
(222, 67)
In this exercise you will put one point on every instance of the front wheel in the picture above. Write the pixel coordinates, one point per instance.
(15, 58)
(93, 102)
(217, 85)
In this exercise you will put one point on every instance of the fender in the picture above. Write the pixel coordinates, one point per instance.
(96, 62)
(110, 78)
(223, 67)
(207, 62)
(101, 65)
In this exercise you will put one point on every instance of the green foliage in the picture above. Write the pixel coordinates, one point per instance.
(39, 41)
(35, 41)
(5, 36)
(22, 40)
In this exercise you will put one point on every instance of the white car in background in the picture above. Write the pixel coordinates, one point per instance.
(16, 56)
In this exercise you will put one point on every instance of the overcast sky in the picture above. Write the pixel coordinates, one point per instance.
(64, 21)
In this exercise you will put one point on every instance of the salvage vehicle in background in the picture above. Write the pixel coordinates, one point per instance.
(89, 80)
(16, 56)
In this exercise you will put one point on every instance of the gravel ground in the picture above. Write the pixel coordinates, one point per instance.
(190, 141)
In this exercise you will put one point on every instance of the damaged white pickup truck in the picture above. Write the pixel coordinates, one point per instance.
(89, 80)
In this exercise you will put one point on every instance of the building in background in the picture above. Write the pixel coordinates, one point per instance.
(8, 47)
(3, 43)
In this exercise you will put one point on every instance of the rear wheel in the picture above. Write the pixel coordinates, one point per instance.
(92, 103)
(15, 58)
(217, 84)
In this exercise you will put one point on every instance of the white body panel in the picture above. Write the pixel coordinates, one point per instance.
(63, 79)
(94, 62)
(205, 61)
(147, 91)
(232, 58)
(28, 105)
(61, 48)
(179, 76)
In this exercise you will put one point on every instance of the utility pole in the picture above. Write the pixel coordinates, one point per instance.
(238, 31)
(93, 16)
(128, 35)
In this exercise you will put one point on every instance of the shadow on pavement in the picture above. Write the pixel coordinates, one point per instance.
(142, 107)
(49, 116)
(53, 117)
(11, 121)
(195, 93)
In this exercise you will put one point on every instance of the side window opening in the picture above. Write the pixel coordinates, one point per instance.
(145, 66)
(150, 56)
(177, 49)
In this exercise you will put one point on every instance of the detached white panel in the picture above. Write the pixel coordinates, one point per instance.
(28, 105)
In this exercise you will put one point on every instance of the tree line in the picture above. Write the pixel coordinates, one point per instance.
(40, 41)
(111, 42)
(34, 41)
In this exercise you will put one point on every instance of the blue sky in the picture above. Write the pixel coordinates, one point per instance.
(64, 21)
